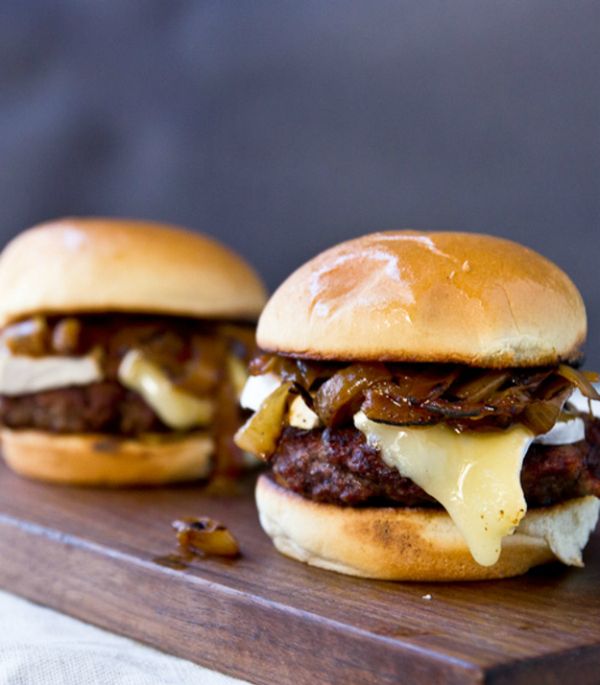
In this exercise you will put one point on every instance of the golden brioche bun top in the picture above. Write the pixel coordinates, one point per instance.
(102, 264)
(428, 297)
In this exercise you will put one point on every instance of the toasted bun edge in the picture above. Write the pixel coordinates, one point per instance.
(408, 544)
(104, 460)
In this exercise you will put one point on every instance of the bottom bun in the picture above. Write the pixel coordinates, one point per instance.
(414, 544)
(107, 460)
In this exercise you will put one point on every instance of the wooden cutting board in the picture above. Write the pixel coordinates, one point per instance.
(92, 554)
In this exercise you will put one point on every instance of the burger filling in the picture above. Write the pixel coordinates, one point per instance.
(484, 444)
(127, 375)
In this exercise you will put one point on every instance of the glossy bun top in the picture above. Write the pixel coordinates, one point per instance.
(116, 265)
(430, 297)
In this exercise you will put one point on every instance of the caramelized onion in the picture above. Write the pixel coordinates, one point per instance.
(423, 382)
(419, 394)
(385, 402)
(482, 386)
(386, 407)
(28, 337)
(540, 415)
(259, 435)
(65, 336)
(307, 374)
(341, 396)
(206, 536)
(579, 380)
(264, 363)
(200, 374)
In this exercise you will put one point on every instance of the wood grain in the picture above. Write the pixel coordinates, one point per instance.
(271, 620)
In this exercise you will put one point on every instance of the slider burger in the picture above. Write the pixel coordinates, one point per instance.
(412, 402)
(123, 350)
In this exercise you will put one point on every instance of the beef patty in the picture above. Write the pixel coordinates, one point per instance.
(105, 407)
(337, 466)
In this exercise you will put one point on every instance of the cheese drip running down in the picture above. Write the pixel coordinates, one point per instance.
(476, 477)
(178, 409)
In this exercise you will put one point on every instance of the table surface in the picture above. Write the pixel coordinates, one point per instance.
(268, 619)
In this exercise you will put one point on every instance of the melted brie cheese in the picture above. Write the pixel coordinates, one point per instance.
(302, 416)
(20, 374)
(474, 476)
(178, 409)
(584, 405)
(257, 389)
(563, 433)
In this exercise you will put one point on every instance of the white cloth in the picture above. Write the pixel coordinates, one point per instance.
(39, 646)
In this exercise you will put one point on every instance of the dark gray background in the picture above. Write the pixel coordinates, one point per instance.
(283, 127)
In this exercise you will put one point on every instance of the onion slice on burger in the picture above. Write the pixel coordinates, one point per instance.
(260, 433)
(581, 380)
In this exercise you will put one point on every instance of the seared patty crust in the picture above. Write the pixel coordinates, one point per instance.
(338, 467)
